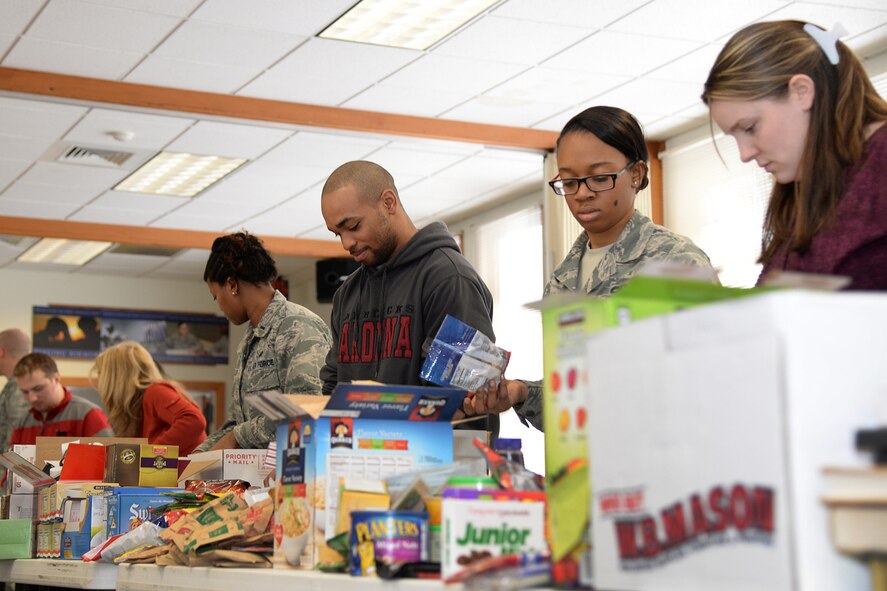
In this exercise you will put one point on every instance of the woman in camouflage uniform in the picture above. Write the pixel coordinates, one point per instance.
(285, 344)
(602, 164)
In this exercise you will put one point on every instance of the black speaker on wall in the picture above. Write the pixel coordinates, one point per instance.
(331, 273)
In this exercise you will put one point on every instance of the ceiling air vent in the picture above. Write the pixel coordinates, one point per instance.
(94, 156)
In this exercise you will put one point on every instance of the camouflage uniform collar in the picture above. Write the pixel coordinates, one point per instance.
(269, 318)
(628, 247)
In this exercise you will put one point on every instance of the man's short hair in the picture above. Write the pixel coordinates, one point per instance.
(34, 361)
(370, 178)
(15, 341)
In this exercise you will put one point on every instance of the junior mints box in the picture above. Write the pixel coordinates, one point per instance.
(367, 432)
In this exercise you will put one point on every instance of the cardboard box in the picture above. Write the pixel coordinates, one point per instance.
(19, 485)
(51, 501)
(16, 538)
(23, 506)
(226, 464)
(158, 465)
(360, 431)
(49, 540)
(122, 463)
(709, 431)
(129, 507)
(85, 520)
(50, 448)
(567, 320)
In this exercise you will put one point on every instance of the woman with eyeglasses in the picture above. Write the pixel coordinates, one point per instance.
(602, 164)
(800, 104)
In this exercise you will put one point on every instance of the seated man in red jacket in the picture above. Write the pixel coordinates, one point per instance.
(55, 412)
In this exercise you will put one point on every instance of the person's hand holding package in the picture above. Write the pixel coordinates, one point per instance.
(496, 396)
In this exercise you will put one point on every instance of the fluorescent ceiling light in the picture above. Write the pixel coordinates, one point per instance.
(60, 251)
(411, 24)
(178, 173)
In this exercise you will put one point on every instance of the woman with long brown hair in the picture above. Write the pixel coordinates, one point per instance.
(799, 103)
(141, 403)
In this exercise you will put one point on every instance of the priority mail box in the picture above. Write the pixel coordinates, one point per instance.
(709, 429)
(226, 464)
(361, 431)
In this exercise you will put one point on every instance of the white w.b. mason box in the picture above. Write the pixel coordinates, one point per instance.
(709, 431)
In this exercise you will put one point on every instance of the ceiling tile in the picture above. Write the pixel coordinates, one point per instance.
(124, 264)
(327, 72)
(657, 97)
(83, 23)
(232, 140)
(213, 43)
(453, 74)
(216, 223)
(637, 53)
(419, 101)
(169, 7)
(693, 67)
(266, 183)
(855, 20)
(16, 14)
(234, 210)
(66, 58)
(139, 202)
(510, 40)
(404, 161)
(161, 71)
(90, 179)
(554, 86)
(668, 126)
(557, 122)
(578, 13)
(47, 196)
(10, 170)
(13, 147)
(107, 215)
(6, 42)
(266, 224)
(309, 148)
(300, 18)
(37, 119)
(699, 20)
(29, 208)
(151, 131)
(504, 111)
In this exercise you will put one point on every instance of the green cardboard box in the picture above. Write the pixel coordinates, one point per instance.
(16, 538)
(567, 321)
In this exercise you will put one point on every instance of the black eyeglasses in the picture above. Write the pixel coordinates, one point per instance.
(594, 182)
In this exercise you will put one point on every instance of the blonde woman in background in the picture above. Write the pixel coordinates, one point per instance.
(141, 403)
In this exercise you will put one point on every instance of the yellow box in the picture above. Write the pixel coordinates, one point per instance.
(159, 465)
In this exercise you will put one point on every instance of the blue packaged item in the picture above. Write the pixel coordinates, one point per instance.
(391, 537)
(129, 507)
(463, 357)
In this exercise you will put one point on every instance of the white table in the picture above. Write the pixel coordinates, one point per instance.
(59, 573)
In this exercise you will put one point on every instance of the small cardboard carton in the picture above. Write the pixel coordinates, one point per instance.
(50, 448)
(52, 499)
(122, 463)
(226, 464)
(49, 540)
(20, 485)
(158, 465)
(709, 431)
(85, 520)
(128, 508)
(24, 505)
(566, 323)
(361, 431)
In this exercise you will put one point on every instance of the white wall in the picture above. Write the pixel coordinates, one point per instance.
(24, 289)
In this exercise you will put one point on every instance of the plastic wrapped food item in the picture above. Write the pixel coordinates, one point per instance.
(463, 357)
(218, 487)
(510, 475)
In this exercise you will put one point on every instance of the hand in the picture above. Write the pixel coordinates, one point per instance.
(494, 398)
(228, 441)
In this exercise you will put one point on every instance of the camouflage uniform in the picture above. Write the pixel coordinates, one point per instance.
(640, 241)
(284, 352)
(13, 407)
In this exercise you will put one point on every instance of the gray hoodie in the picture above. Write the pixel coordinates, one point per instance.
(383, 316)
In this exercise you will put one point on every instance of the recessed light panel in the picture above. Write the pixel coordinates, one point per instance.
(178, 173)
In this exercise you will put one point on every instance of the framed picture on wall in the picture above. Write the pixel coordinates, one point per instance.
(209, 396)
(73, 332)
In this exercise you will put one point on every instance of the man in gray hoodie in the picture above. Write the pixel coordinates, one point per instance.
(386, 312)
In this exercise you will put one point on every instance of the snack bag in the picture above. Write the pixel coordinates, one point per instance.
(463, 357)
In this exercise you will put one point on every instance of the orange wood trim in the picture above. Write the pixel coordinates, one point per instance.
(206, 103)
(656, 201)
(301, 247)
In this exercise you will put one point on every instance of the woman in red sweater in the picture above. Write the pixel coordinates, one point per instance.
(140, 403)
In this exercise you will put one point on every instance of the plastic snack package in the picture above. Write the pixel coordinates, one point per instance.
(463, 357)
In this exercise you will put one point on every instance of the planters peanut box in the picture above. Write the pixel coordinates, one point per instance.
(158, 465)
(566, 322)
(361, 431)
